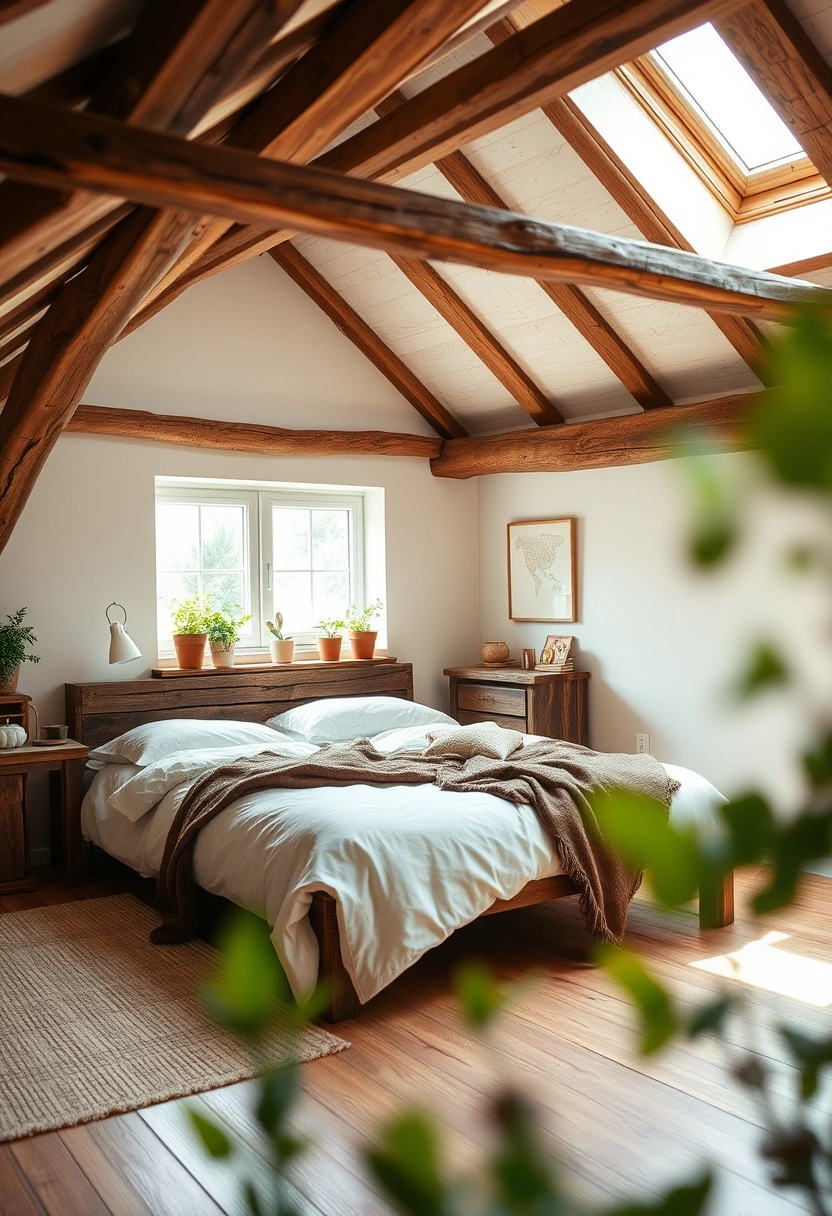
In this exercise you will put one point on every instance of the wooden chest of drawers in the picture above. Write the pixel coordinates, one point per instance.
(530, 701)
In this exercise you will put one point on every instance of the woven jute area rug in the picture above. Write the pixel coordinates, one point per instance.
(95, 1020)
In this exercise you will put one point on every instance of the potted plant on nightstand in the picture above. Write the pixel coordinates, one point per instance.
(329, 646)
(281, 649)
(223, 634)
(190, 631)
(362, 635)
(14, 638)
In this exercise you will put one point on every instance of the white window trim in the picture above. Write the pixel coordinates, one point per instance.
(258, 502)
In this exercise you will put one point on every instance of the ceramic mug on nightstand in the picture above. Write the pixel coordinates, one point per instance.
(55, 734)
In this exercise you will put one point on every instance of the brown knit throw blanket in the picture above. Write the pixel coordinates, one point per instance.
(557, 779)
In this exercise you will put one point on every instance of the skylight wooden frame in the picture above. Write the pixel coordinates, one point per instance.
(745, 196)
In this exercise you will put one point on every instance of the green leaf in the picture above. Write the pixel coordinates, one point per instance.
(639, 831)
(764, 669)
(657, 1016)
(524, 1177)
(479, 994)
(709, 1019)
(278, 1091)
(806, 838)
(687, 1200)
(792, 425)
(715, 528)
(811, 1054)
(213, 1138)
(253, 1200)
(406, 1165)
(751, 826)
(817, 763)
(249, 982)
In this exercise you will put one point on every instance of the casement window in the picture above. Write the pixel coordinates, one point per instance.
(706, 103)
(256, 552)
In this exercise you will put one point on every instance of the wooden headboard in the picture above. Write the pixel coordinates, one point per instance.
(97, 713)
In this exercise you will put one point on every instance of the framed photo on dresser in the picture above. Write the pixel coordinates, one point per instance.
(542, 570)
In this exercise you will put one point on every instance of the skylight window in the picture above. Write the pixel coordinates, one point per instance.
(717, 84)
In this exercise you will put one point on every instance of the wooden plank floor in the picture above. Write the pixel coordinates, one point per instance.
(624, 1125)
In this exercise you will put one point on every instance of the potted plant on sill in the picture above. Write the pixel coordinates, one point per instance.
(223, 634)
(362, 635)
(329, 646)
(281, 649)
(14, 638)
(190, 631)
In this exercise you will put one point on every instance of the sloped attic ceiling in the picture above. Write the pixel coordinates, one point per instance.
(481, 351)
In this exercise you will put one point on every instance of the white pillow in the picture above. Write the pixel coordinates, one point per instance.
(154, 741)
(340, 719)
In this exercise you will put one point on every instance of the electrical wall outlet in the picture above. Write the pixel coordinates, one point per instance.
(643, 744)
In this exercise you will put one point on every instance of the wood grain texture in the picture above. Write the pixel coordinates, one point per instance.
(359, 333)
(632, 439)
(365, 52)
(60, 148)
(245, 437)
(545, 61)
(778, 54)
(69, 343)
(474, 332)
(12, 842)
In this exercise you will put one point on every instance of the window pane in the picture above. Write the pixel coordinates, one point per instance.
(330, 595)
(291, 550)
(330, 540)
(177, 536)
(293, 597)
(226, 592)
(223, 530)
(170, 587)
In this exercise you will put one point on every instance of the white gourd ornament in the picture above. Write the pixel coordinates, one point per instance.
(12, 735)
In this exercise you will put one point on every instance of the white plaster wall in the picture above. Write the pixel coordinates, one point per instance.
(662, 642)
(250, 346)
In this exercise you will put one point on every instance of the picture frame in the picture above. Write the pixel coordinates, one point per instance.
(542, 570)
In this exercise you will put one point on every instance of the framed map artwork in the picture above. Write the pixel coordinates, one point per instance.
(542, 570)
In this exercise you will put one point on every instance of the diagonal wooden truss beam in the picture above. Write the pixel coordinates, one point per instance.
(635, 201)
(364, 54)
(777, 53)
(351, 325)
(453, 309)
(557, 53)
(59, 148)
(632, 439)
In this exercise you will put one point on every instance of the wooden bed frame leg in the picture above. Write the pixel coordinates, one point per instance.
(344, 1003)
(716, 901)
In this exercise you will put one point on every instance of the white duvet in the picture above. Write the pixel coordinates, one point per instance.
(407, 864)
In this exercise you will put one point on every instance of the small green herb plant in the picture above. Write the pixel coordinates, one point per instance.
(191, 615)
(331, 629)
(224, 628)
(362, 622)
(14, 638)
(275, 628)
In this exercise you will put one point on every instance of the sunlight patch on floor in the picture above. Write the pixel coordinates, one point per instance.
(760, 965)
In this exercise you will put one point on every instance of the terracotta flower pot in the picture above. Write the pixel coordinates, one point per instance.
(330, 649)
(190, 649)
(10, 685)
(282, 650)
(222, 654)
(362, 643)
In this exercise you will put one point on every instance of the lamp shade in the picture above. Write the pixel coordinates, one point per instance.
(122, 646)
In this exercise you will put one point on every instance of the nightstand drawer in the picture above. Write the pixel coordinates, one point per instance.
(487, 699)
(469, 717)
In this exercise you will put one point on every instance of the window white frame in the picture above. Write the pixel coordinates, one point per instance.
(257, 503)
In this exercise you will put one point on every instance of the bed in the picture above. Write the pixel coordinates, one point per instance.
(323, 889)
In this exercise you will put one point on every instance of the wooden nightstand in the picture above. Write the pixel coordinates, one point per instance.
(531, 701)
(65, 765)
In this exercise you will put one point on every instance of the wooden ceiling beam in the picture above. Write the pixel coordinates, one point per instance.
(572, 302)
(547, 59)
(11, 10)
(247, 437)
(148, 82)
(632, 439)
(28, 309)
(778, 54)
(17, 342)
(62, 148)
(351, 325)
(453, 309)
